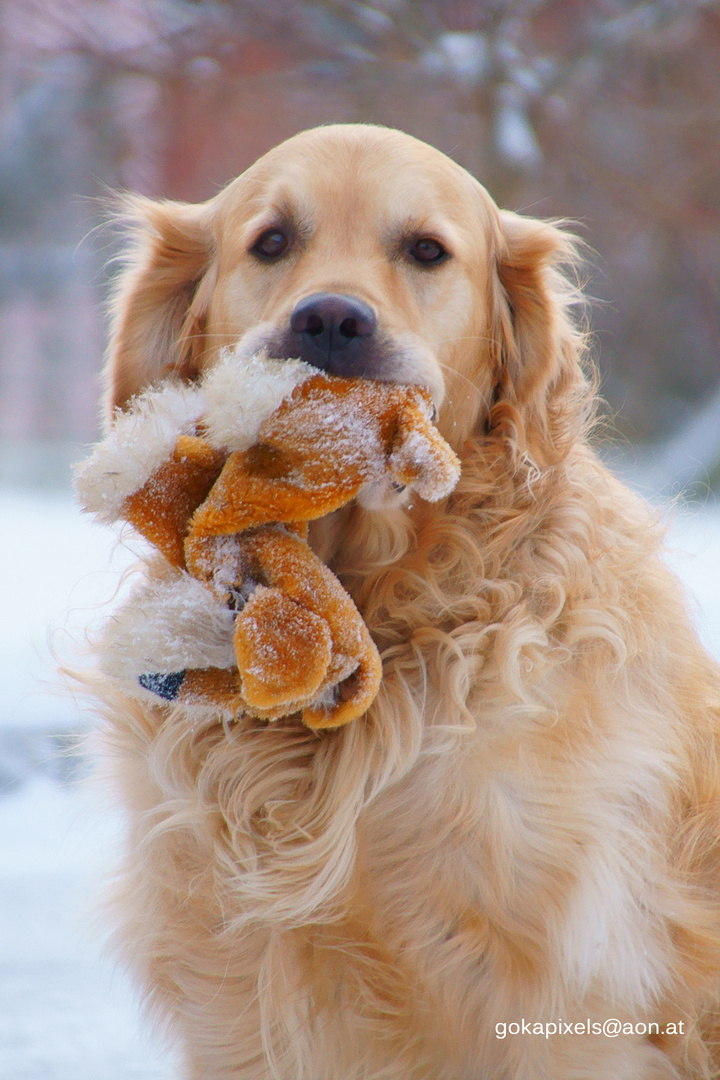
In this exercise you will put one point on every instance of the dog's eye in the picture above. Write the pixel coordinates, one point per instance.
(428, 251)
(271, 244)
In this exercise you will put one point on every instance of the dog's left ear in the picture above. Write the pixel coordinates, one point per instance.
(160, 297)
(540, 388)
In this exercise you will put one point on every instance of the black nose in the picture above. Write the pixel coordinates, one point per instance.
(332, 331)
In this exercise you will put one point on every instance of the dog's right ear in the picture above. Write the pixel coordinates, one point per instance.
(161, 297)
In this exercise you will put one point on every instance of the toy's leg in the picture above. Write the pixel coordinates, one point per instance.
(172, 638)
(218, 688)
(353, 670)
(246, 495)
(291, 608)
(283, 651)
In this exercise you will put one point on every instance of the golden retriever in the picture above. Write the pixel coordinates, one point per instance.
(517, 847)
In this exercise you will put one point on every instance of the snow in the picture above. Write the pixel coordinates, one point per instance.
(514, 135)
(693, 551)
(57, 568)
(464, 56)
(65, 1013)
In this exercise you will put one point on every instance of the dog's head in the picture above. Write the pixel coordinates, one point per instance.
(364, 252)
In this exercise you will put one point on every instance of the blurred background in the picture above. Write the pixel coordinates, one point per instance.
(606, 112)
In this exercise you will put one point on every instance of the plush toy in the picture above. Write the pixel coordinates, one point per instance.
(223, 478)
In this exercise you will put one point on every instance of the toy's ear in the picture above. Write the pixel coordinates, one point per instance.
(538, 346)
(161, 296)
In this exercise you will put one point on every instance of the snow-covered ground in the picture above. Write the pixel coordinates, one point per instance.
(65, 1014)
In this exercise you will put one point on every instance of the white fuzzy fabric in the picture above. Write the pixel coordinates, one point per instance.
(139, 441)
(165, 626)
(242, 392)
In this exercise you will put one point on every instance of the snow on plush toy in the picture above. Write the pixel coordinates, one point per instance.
(223, 478)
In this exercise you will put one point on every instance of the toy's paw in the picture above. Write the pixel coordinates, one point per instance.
(349, 695)
(283, 651)
(288, 662)
(347, 669)
(420, 458)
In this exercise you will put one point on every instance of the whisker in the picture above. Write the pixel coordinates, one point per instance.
(453, 371)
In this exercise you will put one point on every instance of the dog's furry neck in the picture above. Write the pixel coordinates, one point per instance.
(497, 502)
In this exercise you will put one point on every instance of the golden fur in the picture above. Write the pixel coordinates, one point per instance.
(526, 823)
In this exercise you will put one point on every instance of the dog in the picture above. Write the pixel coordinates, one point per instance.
(518, 844)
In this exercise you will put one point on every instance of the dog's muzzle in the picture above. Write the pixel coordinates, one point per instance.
(335, 333)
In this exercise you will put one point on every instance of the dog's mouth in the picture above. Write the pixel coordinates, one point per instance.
(340, 351)
(356, 360)
(385, 494)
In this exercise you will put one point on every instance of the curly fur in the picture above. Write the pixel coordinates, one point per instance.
(526, 823)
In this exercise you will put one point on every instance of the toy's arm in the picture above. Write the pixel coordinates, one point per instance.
(325, 443)
(151, 469)
(161, 510)
(420, 458)
(245, 496)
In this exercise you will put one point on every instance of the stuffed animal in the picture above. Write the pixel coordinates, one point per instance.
(223, 479)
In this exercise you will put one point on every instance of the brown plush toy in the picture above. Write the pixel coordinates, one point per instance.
(223, 480)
